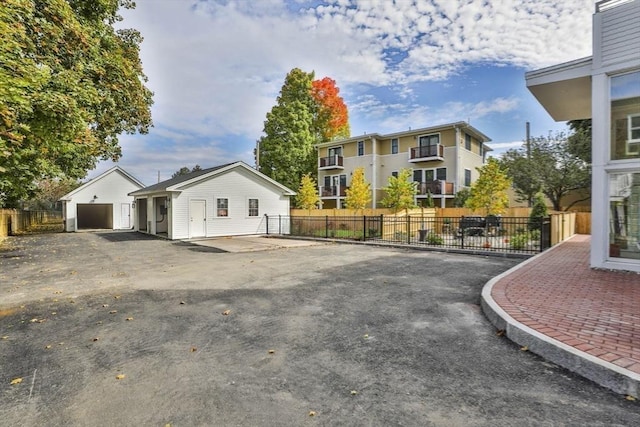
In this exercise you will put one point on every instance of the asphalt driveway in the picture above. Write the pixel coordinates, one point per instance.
(112, 329)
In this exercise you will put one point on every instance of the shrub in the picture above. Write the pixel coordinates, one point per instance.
(538, 211)
(519, 241)
(434, 239)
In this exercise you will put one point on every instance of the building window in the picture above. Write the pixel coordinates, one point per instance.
(624, 211)
(441, 174)
(467, 141)
(394, 146)
(625, 116)
(467, 177)
(222, 207)
(253, 207)
(394, 174)
(360, 148)
(335, 151)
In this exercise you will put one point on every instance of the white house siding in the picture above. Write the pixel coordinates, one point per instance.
(236, 185)
(109, 189)
(616, 39)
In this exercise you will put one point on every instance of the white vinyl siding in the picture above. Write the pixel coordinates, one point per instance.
(112, 188)
(237, 186)
(620, 32)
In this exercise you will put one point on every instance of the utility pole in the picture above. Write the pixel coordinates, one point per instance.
(528, 142)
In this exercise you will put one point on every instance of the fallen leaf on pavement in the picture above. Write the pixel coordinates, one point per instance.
(500, 332)
(128, 319)
(312, 413)
(116, 296)
(182, 302)
(16, 381)
(271, 351)
(96, 339)
(353, 392)
(226, 312)
(47, 346)
(6, 337)
(105, 305)
(113, 311)
(630, 398)
(524, 348)
(120, 376)
(193, 349)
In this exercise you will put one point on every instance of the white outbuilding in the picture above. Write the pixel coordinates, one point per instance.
(226, 200)
(101, 203)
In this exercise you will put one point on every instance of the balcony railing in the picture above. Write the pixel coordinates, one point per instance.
(435, 187)
(429, 152)
(331, 162)
(333, 191)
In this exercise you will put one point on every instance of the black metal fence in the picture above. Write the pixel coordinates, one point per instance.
(492, 233)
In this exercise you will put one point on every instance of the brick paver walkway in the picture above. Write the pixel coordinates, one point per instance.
(595, 311)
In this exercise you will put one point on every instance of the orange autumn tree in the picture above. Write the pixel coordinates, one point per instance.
(332, 120)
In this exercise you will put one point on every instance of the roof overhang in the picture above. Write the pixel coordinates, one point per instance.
(564, 90)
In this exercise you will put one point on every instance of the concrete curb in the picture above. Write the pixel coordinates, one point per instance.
(606, 374)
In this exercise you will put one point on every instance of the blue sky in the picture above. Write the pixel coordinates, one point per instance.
(217, 66)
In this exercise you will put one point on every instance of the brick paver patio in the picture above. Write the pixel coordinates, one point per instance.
(595, 311)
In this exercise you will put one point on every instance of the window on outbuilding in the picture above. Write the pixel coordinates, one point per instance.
(253, 207)
(222, 205)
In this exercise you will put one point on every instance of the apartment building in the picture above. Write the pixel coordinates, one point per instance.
(443, 160)
(605, 87)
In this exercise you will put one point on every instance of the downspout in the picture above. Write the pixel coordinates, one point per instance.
(374, 172)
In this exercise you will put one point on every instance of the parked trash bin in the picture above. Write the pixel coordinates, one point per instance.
(423, 235)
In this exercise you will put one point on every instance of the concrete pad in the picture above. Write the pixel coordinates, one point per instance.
(237, 244)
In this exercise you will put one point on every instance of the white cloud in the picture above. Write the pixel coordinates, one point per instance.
(216, 66)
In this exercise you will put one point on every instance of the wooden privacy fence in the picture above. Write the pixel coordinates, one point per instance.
(16, 220)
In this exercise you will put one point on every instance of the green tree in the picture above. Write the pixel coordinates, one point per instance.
(579, 142)
(307, 197)
(523, 172)
(307, 112)
(49, 191)
(70, 84)
(185, 171)
(400, 192)
(489, 192)
(461, 197)
(552, 164)
(358, 195)
(538, 211)
(285, 152)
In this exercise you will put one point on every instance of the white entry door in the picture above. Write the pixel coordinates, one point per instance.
(197, 218)
(125, 216)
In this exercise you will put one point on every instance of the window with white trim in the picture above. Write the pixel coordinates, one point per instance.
(467, 141)
(394, 146)
(222, 207)
(253, 207)
(625, 116)
(360, 148)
